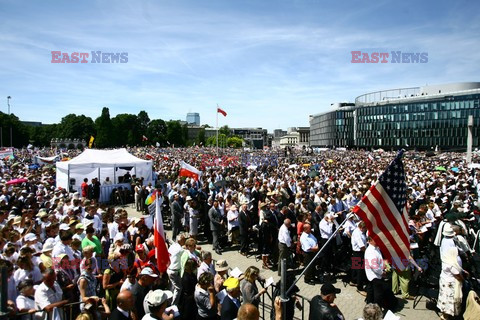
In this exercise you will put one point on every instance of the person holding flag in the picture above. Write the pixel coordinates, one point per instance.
(161, 251)
(383, 209)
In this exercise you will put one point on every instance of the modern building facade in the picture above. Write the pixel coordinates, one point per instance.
(193, 118)
(255, 138)
(421, 117)
(277, 133)
(333, 128)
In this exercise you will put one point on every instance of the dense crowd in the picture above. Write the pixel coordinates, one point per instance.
(69, 256)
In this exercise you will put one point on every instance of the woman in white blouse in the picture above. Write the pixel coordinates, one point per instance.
(450, 284)
(25, 301)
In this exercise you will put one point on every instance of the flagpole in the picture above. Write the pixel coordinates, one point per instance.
(316, 256)
(217, 129)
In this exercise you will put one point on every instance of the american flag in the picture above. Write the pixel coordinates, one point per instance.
(383, 208)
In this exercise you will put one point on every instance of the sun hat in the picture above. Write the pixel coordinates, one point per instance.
(221, 265)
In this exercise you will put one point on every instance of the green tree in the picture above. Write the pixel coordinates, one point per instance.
(222, 141)
(126, 130)
(41, 136)
(13, 131)
(235, 142)
(76, 127)
(185, 136)
(104, 128)
(143, 120)
(175, 133)
(157, 132)
(225, 130)
(200, 140)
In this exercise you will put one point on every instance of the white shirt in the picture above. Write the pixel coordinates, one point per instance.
(112, 229)
(127, 285)
(21, 274)
(284, 236)
(176, 252)
(307, 241)
(125, 313)
(97, 224)
(45, 296)
(348, 227)
(326, 229)
(373, 263)
(204, 267)
(232, 223)
(359, 240)
(25, 303)
(446, 244)
(430, 215)
(61, 248)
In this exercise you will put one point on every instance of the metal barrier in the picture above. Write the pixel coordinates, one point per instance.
(266, 305)
(32, 316)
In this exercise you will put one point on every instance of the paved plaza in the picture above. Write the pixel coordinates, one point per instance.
(349, 301)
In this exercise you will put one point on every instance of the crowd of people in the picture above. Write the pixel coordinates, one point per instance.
(67, 255)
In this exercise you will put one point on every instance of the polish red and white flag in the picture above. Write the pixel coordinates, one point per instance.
(187, 170)
(161, 251)
(220, 110)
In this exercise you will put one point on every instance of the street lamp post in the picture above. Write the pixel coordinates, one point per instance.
(8, 103)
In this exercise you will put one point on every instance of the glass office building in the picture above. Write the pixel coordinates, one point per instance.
(193, 118)
(423, 118)
(333, 129)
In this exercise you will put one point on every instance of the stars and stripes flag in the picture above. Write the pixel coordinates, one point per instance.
(161, 251)
(384, 210)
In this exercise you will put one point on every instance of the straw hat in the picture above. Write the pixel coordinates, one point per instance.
(221, 265)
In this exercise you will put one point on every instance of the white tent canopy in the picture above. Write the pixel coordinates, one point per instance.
(100, 164)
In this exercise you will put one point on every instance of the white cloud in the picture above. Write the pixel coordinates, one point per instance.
(269, 67)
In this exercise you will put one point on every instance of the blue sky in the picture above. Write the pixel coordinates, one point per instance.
(267, 63)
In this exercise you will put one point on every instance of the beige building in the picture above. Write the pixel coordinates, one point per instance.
(298, 137)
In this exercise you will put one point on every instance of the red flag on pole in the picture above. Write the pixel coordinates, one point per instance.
(384, 210)
(161, 251)
(219, 110)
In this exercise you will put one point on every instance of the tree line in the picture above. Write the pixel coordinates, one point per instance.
(122, 130)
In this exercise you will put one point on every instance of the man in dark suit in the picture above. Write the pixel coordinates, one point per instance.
(243, 221)
(255, 199)
(177, 215)
(125, 303)
(231, 302)
(216, 225)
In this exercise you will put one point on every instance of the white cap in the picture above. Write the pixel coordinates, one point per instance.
(148, 272)
(87, 222)
(30, 237)
(48, 247)
(157, 297)
(64, 227)
(118, 237)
